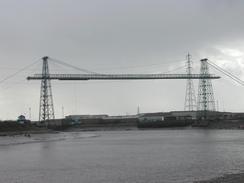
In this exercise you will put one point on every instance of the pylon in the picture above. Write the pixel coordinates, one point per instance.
(205, 100)
(190, 98)
(46, 111)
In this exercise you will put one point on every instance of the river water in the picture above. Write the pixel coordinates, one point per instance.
(121, 156)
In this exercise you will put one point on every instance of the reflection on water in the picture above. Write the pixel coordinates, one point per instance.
(121, 156)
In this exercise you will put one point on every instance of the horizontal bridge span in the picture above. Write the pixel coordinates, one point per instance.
(121, 76)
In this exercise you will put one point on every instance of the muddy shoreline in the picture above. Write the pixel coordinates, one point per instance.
(228, 178)
(15, 133)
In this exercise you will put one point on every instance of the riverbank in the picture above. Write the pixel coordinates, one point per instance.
(14, 133)
(219, 124)
(10, 128)
(229, 178)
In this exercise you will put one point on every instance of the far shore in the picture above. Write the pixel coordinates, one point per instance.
(14, 128)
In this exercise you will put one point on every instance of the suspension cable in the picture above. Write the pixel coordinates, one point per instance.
(92, 72)
(71, 66)
(143, 66)
(227, 73)
(19, 71)
(176, 69)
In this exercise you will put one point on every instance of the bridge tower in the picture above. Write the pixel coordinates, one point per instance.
(190, 98)
(46, 110)
(205, 91)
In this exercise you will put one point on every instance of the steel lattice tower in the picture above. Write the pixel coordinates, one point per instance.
(205, 100)
(46, 111)
(190, 98)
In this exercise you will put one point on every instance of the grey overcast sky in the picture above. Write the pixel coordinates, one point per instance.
(114, 36)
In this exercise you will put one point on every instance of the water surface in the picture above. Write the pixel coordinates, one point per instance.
(122, 156)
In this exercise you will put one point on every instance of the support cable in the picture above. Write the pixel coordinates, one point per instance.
(141, 66)
(71, 66)
(92, 72)
(176, 69)
(227, 73)
(19, 71)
